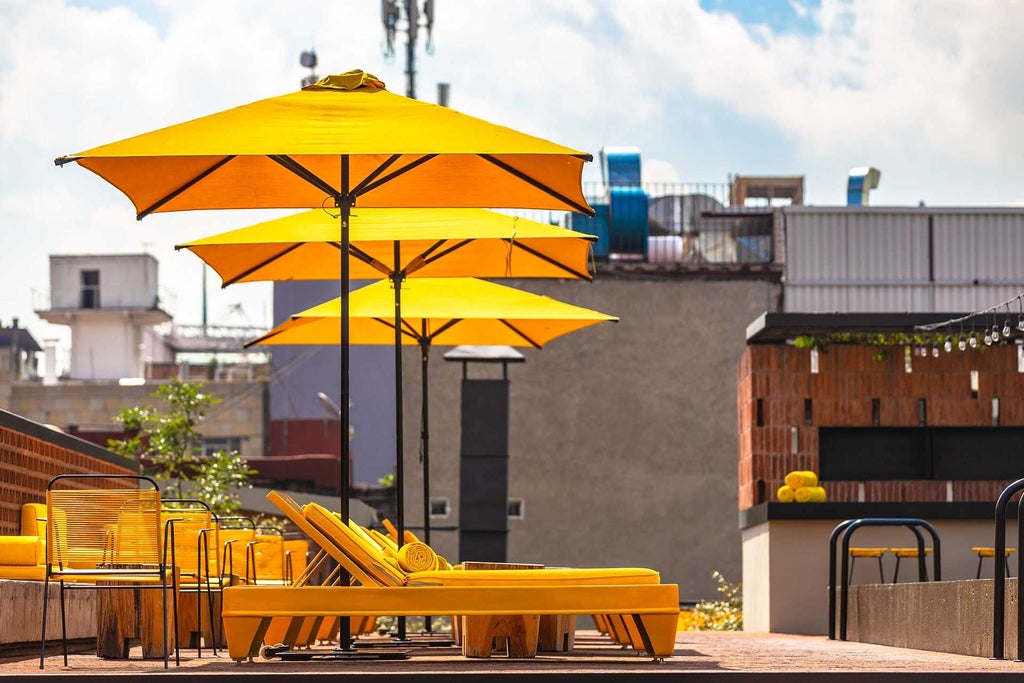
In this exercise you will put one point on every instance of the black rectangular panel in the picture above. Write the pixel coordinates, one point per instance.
(483, 493)
(484, 417)
(483, 546)
(872, 453)
(978, 452)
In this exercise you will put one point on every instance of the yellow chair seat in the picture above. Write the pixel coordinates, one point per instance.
(908, 552)
(867, 552)
(990, 552)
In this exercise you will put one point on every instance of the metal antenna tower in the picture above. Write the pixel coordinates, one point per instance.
(392, 13)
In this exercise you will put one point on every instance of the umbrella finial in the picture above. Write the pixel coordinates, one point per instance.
(356, 79)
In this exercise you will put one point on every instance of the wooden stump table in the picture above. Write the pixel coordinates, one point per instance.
(521, 636)
(125, 615)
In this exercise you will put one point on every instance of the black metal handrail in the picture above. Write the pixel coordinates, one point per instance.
(845, 530)
(999, 590)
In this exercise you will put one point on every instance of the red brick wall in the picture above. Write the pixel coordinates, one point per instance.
(841, 395)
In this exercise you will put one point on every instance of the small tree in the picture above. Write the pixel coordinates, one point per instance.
(167, 445)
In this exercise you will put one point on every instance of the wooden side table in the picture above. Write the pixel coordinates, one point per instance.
(124, 615)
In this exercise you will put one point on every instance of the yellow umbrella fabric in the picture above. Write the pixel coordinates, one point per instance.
(444, 311)
(432, 243)
(286, 152)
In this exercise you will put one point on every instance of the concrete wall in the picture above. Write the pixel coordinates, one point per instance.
(785, 567)
(948, 616)
(622, 436)
(94, 405)
(126, 280)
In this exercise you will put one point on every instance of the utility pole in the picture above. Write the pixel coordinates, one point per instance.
(392, 13)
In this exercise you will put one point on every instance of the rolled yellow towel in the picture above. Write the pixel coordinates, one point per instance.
(417, 557)
(785, 494)
(799, 478)
(809, 494)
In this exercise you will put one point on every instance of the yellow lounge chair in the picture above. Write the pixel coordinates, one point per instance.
(248, 611)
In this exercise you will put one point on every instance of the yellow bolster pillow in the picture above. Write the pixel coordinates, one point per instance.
(809, 494)
(417, 557)
(785, 494)
(21, 551)
(799, 478)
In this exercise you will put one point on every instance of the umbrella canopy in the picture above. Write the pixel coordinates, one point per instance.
(431, 242)
(287, 151)
(442, 311)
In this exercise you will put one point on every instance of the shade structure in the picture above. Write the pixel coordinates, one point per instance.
(431, 243)
(441, 311)
(342, 140)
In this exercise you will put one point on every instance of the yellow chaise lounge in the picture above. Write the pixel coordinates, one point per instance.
(651, 608)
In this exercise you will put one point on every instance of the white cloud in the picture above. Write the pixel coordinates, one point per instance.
(930, 92)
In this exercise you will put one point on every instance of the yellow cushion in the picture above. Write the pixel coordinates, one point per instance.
(537, 577)
(31, 513)
(22, 551)
(908, 552)
(867, 552)
(23, 573)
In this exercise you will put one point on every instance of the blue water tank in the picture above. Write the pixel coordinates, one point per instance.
(627, 202)
(597, 226)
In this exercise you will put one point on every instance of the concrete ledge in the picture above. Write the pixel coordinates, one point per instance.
(942, 616)
(21, 611)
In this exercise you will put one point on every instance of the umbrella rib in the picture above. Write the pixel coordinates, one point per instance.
(145, 212)
(536, 183)
(365, 258)
(361, 187)
(428, 256)
(304, 173)
(548, 259)
(407, 328)
(249, 271)
(519, 332)
(367, 187)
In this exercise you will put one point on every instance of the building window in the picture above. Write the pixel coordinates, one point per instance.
(440, 508)
(90, 288)
(516, 508)
(221, 443)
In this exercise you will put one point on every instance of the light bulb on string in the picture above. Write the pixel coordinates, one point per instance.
(973, 341)
(961, 343)
(988, 338)
(948, 344)
(995, 333)
(935, 351)
(1006, 328)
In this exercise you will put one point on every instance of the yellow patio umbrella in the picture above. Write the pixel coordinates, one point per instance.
(342, 140)
(431, 242)
(398, 243)
(438, 311)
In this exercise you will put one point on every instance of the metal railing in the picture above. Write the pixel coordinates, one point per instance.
(671, 224)
(845, 531)
(999, 590)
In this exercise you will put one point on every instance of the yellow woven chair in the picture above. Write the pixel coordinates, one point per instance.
(111, 537)
(194, 543)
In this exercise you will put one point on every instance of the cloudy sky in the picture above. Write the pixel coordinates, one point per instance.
(929, 91)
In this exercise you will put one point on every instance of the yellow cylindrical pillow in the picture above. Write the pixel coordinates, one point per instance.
(785, 494)
(799, 478)
(417, 557)
(809, 494)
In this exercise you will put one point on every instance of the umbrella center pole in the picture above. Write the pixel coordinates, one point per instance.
(397, 275)
(345, 200)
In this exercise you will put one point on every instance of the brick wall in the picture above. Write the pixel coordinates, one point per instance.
(775, 382)
(28, 462)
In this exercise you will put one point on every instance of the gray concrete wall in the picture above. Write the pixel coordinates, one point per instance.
(945, 616)
(622, 436)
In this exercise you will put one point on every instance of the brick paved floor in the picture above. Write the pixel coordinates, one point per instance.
(699, 656)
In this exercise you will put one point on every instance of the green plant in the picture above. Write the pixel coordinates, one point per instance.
(387, 481)
(719, 615)
(166, 442)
